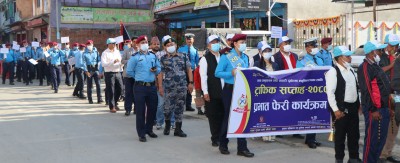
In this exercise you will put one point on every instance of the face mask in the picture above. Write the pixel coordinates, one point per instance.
(126, 47)
(314, 51)
(215, 47)
(346, 64)
(377, 58)
(75, 48)
(330, 47)
(267, 55)
(287, 48)
(144, 47)
(171, 49)
(67, 46)
(242, 47)
(90, 47)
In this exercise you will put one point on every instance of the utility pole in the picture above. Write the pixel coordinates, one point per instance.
(57, 21)
(229, 6)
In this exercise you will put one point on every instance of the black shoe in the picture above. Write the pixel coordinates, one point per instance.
(190, 109)
(27, 83)
(298, 136)
(199, 112)
(224, 151)
(312, 145)
(12, 84)
(215, 144)
(393, 159)
(279, 136)
(41, 84)
(3, 82)
(245, 153)
(18, 80)
(178, 130)
(68, 85)
(127, 113)
(142, 139)
(31, 82)
(56, 91)
(90, 102)
(167, 127)
(352, 160)
(152, 134)
(317, 143)
(82, 97)
(74, 94)
(100, 101)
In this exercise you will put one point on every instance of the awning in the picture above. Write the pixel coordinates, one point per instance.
(37, 21)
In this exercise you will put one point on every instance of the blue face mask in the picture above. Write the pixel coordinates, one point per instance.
(126, 47)
(242, 47)
(215, 47)
(75, 48)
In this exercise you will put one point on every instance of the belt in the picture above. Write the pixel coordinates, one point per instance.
(55, 65)
(228, 86)
(147, 84)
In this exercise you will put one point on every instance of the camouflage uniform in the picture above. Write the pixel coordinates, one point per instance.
(175, 84)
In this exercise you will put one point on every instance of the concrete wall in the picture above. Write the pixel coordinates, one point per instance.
(24, 8)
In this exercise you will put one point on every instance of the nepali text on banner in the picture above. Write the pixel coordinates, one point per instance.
(279, 103)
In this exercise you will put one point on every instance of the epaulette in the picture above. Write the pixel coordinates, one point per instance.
(134, 53)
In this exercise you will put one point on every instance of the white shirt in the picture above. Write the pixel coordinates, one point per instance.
(350, 96)
(203, 74)
(108, 58)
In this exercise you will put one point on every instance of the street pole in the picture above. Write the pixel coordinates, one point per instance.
(230, 13)
(375, 23)
(353, 42)
(57, 22)
(269, 15)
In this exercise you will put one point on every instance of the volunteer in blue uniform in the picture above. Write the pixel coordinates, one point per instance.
(72, 52)
(41, 59)
(226, 70)
(92, 60)
(144, 67)
(193, 57)
(9, 61)
(325, 52)
(310, 60)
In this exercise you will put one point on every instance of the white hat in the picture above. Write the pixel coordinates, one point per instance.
(212, 38)
(229, 36)
(265, 46)
(165, 38)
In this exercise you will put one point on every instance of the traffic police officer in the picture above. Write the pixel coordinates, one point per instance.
(129, 81)
(9, 61)
(324, 53)
(27, 67)
(174, 68)
(92, 60)
(72, 52)
(20, 64)
(192, 54)
(144, 67)
(310, 59)
(226, 70)
(55, 65)
(80, 70)
(66, 52)
(41, 59)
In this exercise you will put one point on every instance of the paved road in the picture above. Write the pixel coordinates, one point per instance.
(39, 126)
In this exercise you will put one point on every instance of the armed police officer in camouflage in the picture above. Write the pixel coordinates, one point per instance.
(193, 57)
(174, 67)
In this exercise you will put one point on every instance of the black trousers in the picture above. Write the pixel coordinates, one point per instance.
(94, 78)
(113, 88)
(28, 71)
(79, 86)
(227, 97)
(66, 72)
(215, 114)
(18, 72)
(347, 126)
(41, 68)
(56, 75)
(146, 107)
(129, 93)
(8, 68)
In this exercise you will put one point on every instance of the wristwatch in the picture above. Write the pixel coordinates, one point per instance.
(190, 82)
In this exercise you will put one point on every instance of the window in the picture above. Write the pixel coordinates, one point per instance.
(38, 3)
(99, 3)
(115, 3)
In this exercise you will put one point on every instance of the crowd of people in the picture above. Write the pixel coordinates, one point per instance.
(156, 80)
